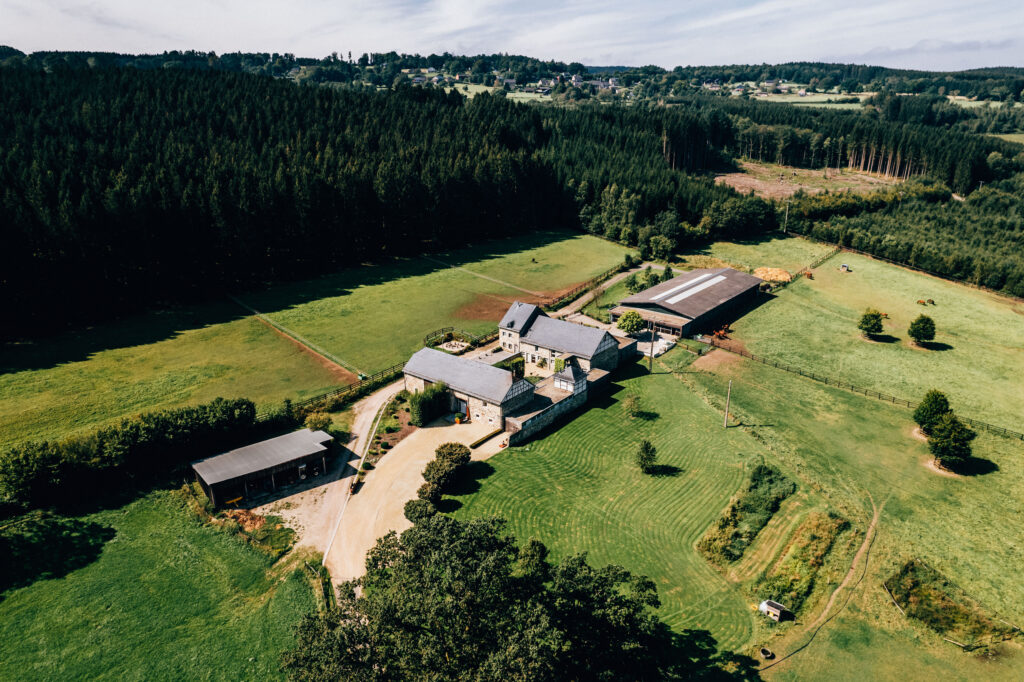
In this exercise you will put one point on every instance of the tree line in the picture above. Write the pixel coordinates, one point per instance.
(122, 188)
(822, 138)
(979, 240)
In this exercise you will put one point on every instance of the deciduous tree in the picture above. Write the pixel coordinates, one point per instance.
(922, 329)
(950, 441)
(630, 322)
(646, 456)
(451, 600)
(870, 322)
(932, 408)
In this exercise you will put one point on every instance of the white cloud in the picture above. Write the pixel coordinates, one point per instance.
(915, 33)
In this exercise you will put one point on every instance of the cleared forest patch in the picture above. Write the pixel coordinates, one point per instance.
(774, 181)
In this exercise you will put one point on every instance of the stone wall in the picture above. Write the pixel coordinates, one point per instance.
(485, 411)
(414, 384)
(543, 420)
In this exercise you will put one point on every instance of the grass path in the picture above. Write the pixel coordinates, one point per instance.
(825, 616)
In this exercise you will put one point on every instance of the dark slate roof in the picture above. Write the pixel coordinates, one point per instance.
(695, 293)
(565, 336)
(572, 373)
(519, 316)
(258, 457)
(466, 376)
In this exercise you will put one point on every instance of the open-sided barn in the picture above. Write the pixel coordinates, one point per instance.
(692, 302)
(264, 465)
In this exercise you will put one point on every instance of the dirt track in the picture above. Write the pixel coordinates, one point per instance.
(824, 617)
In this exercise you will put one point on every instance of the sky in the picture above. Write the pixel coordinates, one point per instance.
(924, 34)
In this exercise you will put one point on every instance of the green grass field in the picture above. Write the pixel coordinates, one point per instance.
(578, 490)
(377, 316)
(88, 378)
(846, 446)
(609, 298)
(372, 317)
(788, 253)
(168, 599)
(812, 324)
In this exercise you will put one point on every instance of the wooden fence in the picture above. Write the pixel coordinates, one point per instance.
(845, 385)
(574, 293)
(471, 338)
(908, 266)
(358, 388)
(800, 273)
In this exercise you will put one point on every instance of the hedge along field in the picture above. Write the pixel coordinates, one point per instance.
(578, 490)
(186, 356)
(813, 324)
(377, 316)
(167, 599)
(843, 447)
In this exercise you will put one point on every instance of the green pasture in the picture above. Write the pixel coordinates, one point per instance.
(168, 598)
(377, 316)
(372, 317)
(976, 358)
(776, 251)
(608, 299)
(578, 490)
(88, 378)
(845, 447)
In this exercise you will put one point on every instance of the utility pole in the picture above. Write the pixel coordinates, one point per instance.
(650, 362)
(785, 225)
(728, 399)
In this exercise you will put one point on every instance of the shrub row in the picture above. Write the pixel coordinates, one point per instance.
(791, 580)
(55, 474)
(930, 597)
(748, 513)
(428, 404)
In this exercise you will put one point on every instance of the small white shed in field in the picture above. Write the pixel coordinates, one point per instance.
(772, 609)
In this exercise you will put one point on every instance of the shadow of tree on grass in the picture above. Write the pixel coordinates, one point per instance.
(975, 466)
(42, 545)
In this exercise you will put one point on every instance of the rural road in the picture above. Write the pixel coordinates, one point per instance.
(358, 520)
(586, 298)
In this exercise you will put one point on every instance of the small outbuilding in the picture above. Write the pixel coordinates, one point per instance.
(773, 610)
(264, 465)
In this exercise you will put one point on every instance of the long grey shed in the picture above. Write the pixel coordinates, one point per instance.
(262, 459)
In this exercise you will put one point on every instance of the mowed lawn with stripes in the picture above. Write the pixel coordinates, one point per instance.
(579, 490)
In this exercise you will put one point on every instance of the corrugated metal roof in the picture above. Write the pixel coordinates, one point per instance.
(564, 336)
(258, 457)
(695, 293)
(466, 376)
